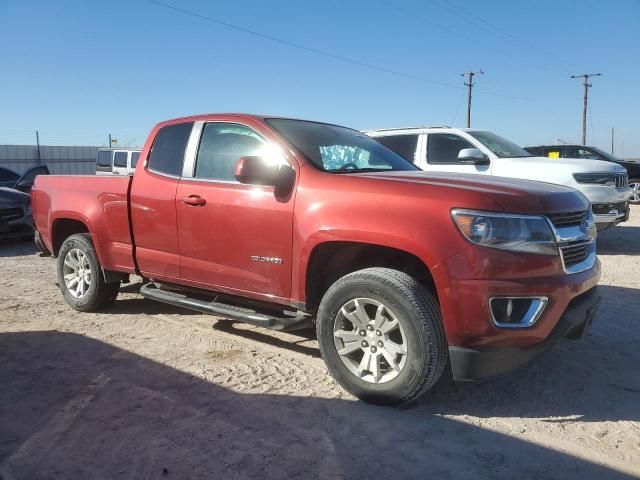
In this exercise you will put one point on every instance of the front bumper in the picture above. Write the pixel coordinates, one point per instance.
(16, 222)
(470, 364)
(609, 204)
(610, 213)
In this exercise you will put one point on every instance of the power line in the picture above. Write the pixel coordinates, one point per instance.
(455, 115)
(474, 40)
(302, 47)
(424, 19)
(332, 55)
(494, 30)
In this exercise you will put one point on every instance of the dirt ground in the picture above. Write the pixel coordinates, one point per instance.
(144, 391)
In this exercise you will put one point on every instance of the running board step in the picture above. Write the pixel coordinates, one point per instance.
(233, 312)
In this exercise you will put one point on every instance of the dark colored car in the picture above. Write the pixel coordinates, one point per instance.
(24, 182)
(15, 214)
(592, 153)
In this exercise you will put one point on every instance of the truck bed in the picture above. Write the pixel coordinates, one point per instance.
(97, 202)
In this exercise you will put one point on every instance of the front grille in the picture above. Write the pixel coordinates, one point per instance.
(569, 218)
(8, 214)
(622, 180)
(576, 252)
(605, 208)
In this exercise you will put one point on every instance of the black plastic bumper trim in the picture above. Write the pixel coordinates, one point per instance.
(470, 364)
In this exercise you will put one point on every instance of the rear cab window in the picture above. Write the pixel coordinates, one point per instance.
(167, 152)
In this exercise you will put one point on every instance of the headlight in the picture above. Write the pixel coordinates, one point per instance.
(596, 178)
(520, 233)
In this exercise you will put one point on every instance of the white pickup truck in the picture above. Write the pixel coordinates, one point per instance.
(445, 149)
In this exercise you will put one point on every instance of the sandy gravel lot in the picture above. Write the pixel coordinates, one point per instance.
(145, 391)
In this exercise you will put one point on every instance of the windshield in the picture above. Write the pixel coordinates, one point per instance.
(604, 155)
(337, 149)
(502, 147)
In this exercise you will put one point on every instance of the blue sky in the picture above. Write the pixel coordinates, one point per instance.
(79, 70)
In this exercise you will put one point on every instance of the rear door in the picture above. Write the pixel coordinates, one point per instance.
(153, 203)
(404, 145)
(233, 237)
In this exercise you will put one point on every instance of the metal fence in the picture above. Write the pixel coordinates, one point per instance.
(61, 160)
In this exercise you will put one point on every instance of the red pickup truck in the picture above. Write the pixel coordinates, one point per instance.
(285, 223)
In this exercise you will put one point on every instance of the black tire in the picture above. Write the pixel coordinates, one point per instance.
(419, 314)
(99, 293)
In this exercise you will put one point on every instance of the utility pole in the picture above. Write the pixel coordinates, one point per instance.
(38, 145)
(470, 84)
(586, 100)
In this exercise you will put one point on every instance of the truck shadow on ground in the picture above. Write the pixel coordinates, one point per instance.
(594, 379)
(264, 336)
(74, 408)
(619, 240)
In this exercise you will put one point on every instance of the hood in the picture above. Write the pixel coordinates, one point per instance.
(551, 170)
(547, 168)
(513, 195)
(13, 197)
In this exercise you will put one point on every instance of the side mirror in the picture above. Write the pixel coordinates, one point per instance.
(473, 156)
(255, 170)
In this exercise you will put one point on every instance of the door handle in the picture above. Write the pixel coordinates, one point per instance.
(194, 200)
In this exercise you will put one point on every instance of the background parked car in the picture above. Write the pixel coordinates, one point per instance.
(117, 161)
(592, 153)
(24, 182)
(458, 150)
(15, 214)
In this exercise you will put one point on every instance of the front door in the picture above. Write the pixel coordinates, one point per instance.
(442, 154)
(233, 237)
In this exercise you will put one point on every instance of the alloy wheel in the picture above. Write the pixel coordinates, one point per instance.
(370, 340)
(77, 272)
(635, 192)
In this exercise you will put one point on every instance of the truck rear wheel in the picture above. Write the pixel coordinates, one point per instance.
(80, 277)
(381, 336)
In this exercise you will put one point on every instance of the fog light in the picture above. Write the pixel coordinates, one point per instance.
(516, 312)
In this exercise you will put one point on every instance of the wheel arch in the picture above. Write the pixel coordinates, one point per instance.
(331, 260)
(63, 227)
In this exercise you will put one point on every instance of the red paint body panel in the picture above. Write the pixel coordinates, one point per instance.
(153, 218)
(100, 203)
(210, 245)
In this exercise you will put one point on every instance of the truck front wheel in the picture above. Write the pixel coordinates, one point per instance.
(80, 277)
(381, 336)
